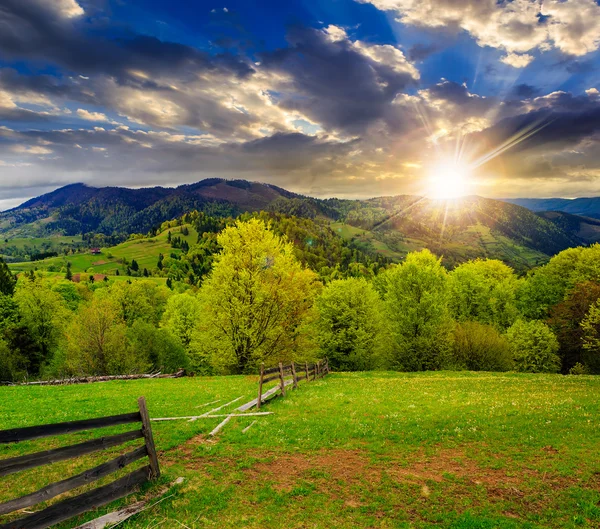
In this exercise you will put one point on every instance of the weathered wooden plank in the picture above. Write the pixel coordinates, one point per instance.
(294, 376)
(83, 503)
(271, 370)
(220, 426)
(265, 396)
(17, 435)
(281, 379)
(16, 464)
(148, 437)
(89, 476)
(210, 412)
(271, 378)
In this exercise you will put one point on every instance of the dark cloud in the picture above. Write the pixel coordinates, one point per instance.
(524, 90)
(335, 83)
(36, 30)
(420, 52)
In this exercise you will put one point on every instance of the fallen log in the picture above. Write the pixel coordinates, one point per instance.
(89, 380)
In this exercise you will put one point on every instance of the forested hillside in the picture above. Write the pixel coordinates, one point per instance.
(390, 226)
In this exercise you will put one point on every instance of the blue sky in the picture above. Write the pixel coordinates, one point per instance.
(329, 98)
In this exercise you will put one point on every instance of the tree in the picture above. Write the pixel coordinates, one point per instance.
(533, 347)
(484, 290)
(7, 279)
(591, 338)
(182, 316)
(566, 320)
(43, 313)
(159, 347)
(139, 300)
(548, 285)
(134, 265)
(350, 329)
(69, 274)
(97, 342)
(256, 299)
(416, 299)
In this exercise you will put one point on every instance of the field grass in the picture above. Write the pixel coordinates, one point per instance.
(449, 450)
(145, 251)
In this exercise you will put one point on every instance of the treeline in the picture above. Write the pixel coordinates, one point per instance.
(260, 302)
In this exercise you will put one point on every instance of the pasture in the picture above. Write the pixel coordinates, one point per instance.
(454, 450)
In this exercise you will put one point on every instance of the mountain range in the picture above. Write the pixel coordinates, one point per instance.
(457, 230)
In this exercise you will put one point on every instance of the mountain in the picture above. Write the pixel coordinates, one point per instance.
(392, 226)
(584, 228)
(586, 207)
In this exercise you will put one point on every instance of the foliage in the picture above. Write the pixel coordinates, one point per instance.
(163, 351)
(255, 300)
(479, 347)
(350, 328)
(416, 294)
(533, 347)
(579, 369)
(549, 284)
(96, 342)
(566, 318)
(483, 291)
(591, 338)
(7, 279)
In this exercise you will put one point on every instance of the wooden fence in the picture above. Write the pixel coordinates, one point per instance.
(94, 498)
(287, 376)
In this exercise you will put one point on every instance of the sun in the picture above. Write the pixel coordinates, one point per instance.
(448, 180)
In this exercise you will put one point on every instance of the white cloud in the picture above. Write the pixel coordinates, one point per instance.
(67, 8)
(91, 116)
(518, 26)
(517, 60)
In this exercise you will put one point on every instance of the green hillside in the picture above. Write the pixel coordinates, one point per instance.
(144, 250)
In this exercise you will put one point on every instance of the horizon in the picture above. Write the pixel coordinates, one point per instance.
(21, 202)
(347, 99)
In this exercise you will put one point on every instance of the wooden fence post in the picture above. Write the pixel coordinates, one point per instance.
(294, 375)
(147, 431)
(315, 371)
(327, 365)
(306, 369)
(260, 385)
(281, 379)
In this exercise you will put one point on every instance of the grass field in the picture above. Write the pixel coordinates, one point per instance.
(449, 450)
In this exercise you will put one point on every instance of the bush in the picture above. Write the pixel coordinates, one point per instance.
(479, 347)
(579, 369)
(533, 347)
(349, 328)
(591, 338)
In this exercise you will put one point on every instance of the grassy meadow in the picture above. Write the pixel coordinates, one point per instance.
(441, 449)
(145, 251)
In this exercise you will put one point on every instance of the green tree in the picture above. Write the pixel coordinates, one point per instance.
(69, 274)
(350, 329)
(134, 265)
(591, 338)
(96, 342)
(43, 313)
(256, 299)
(182, 316)
(548, 285)
(159, 347)
(7, 279)
(533, 346)
(484, 290)
(416, 299)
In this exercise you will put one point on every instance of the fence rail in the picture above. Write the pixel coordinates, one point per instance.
(94, 498)
(287, 375)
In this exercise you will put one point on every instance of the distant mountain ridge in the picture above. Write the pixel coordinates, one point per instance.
(469, 228)
(585, 206)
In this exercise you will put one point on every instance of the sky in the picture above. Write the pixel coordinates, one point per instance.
(346, 98)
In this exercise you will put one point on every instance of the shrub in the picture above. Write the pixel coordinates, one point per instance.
(579, 369)
(533, 347)
(591, 338)
(479, 347)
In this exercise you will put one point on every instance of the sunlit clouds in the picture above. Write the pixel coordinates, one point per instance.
(408, 97)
